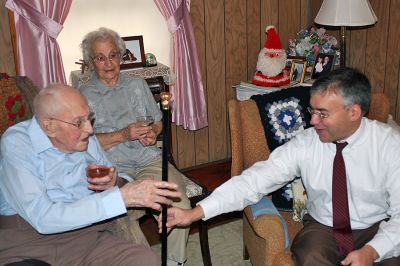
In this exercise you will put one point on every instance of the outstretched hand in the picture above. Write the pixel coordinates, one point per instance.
(149, 193)
(180, 217)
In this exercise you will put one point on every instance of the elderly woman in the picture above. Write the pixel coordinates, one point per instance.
(118, 100)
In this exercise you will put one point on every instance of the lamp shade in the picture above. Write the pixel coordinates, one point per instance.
(346, 13)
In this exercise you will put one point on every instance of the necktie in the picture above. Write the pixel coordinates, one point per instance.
(340, 206)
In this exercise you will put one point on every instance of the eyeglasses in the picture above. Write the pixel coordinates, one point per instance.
(100, 59)
(81, 121)
(323, 114)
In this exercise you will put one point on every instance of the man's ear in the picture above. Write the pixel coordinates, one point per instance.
(355, 112)
(48, 127)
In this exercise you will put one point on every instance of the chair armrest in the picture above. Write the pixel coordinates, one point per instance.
(268, 223)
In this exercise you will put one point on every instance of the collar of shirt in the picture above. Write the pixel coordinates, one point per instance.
(357, 138)
(103, 89)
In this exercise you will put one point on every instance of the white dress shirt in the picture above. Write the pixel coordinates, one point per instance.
(372, 160)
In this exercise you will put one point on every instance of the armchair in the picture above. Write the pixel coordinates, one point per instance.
(16, 99)
(264, 236)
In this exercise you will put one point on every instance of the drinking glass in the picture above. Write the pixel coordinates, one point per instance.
(147, 120)
(97, 171)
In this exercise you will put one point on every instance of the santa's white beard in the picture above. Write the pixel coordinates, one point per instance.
(270, 67)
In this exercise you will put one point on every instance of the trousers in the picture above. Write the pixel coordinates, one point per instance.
(315, 244)
(91, 245)
(178, 237)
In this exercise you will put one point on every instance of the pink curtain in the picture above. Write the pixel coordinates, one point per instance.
(188, 107)
(37, 24)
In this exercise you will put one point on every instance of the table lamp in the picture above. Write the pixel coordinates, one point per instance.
(345, 13)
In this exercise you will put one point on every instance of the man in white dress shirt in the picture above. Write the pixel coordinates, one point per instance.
(338, 103)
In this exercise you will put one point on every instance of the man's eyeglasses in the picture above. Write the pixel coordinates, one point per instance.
(100, 59)
(323, 114)
(81, 121)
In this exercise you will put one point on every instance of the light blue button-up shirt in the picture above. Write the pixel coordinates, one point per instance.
(49, 188)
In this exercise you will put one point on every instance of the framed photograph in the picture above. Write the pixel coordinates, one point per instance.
(323, 64)
(290, 59)
(134, 55)
(298, 70)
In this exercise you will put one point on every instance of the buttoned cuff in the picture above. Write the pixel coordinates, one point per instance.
(209, 207)
(113, 203)
(382, 246)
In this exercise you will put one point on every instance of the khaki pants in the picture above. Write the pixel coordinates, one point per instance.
(88, 246)
(177, 239)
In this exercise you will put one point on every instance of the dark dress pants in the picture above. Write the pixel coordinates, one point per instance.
(315, 245)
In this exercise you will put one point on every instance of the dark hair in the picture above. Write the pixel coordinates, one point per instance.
(350, 83)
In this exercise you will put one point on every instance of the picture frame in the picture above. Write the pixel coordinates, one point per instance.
(290, 59)
(298, 70)
(134, 55)
(323, 64)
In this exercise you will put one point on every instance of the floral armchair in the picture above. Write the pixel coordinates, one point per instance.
(16, 97)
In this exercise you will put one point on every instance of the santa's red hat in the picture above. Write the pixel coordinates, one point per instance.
(273, 42)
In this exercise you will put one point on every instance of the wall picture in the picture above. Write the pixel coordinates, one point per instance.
(134, 54)
(323, 64)
(298, 70)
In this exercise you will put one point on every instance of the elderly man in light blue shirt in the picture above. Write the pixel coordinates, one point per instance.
(49, 209)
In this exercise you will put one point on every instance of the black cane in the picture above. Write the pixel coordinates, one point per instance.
(165, 98)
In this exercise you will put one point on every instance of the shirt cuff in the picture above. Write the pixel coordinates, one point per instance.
(113, 203)
(209, 207)
(382, 247)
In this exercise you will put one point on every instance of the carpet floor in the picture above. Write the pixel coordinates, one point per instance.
(226, 246)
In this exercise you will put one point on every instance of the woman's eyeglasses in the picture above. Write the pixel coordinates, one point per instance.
(101, 59)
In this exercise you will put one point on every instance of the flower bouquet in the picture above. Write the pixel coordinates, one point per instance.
(310, 42)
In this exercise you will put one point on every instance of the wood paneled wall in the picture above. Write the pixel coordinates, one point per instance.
(229, 35)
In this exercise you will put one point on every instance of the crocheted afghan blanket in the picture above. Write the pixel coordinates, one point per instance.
(284, 114)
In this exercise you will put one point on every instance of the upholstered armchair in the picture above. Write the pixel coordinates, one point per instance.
(16, 99)
(264, 237)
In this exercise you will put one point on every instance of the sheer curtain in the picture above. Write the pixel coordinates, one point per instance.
(188, 107)
(37, 25)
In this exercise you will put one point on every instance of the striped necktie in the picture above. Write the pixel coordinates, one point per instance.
(340, 206)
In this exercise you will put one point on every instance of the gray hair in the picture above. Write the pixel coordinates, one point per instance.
(49, 102)
(349, 83)
(102, 34)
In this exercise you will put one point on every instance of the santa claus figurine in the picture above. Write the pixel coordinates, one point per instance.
(271, 62)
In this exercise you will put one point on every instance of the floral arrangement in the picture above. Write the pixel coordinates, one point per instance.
(310, 42)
